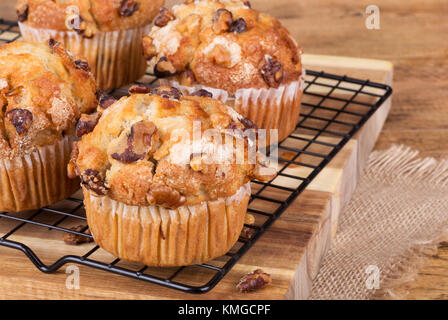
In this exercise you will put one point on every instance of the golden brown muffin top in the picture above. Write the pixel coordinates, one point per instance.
(43, 91)
(141, 152)
(87, 16)
(222, 44)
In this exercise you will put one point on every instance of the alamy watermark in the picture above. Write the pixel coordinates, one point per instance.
(373, 17)
(373, 279)
(73, 280)
(229, 146)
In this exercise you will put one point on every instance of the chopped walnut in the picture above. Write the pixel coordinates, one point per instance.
(21, 119)
(143, 137)
(238, 26)
(272, 71)
(248, 232)
(92, 180)
(127, 156)
(248, 124)
(128, 7)
(22, 13)
(141, 142)
(82, 65)
(53, 43)
(165, 15)
(202, 93)
(106, 100)
(165, 196)
(75, 239)
(139, 88)
(87, 123)
(222, 20)
(254, 281)
(164, 68)
(168, 92)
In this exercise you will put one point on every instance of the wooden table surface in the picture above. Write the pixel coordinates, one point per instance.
(413, 35)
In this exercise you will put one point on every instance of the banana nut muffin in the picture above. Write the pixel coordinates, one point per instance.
(227, 45)
(107, 33)
(43, 91)
(151, 196)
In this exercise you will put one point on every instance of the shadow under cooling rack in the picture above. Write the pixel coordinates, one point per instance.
(333, 109)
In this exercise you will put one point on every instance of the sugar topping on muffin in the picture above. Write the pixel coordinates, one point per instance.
(222, 44)
(43, 91)
(142, 151)
(87, 16)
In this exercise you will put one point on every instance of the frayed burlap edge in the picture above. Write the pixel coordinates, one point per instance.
(406, 269)
(402, 162)
(397, 165)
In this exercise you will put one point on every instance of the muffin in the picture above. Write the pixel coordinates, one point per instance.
(244, 57)
(43, 91)
(157, 194)
(108, 34)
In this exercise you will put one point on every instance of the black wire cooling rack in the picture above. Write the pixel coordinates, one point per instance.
(333, 109)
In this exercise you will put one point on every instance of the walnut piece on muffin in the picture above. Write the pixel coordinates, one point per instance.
(141, 152)
(43, 92)
(222, 44)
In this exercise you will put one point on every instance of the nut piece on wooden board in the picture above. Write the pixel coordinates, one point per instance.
(254, 281)
(74, 239)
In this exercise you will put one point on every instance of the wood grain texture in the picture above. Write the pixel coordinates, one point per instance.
(412, 36)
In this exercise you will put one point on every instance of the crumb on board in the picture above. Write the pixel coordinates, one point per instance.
(74, 239)
(248, 232)
(253, 281)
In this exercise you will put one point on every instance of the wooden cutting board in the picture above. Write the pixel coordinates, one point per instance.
(290, 250)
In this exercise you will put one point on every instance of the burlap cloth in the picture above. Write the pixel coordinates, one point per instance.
(399, 211)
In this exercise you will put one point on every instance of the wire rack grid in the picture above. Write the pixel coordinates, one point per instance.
(333, 109)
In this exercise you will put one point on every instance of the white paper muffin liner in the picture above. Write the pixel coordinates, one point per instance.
(115, 57)
(156, 236)
(38, 179)
(273, 108)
